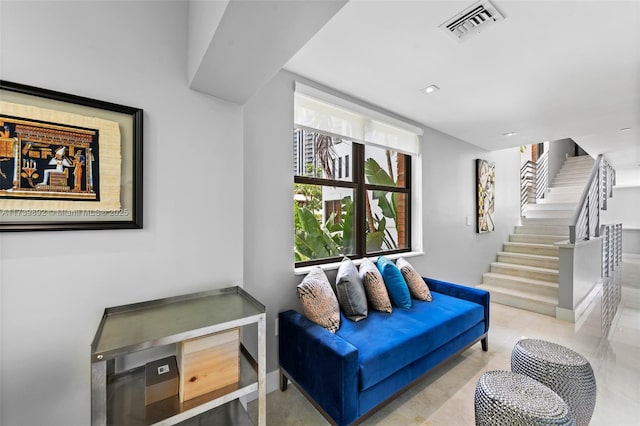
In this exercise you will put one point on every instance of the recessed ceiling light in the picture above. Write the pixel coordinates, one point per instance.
(509, 134)
(625, 129)
(430, 89)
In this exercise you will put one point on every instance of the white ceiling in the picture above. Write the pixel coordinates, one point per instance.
(550, 70)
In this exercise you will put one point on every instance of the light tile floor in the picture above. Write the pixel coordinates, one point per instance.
(445, 397)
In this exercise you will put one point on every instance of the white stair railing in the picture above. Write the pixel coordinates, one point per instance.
(608, 174)
(611, 282)
(586, 220)
(542, 175)
(534, 180)
(527, 185)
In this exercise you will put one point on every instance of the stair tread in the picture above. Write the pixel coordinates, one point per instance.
(521, 294)
(530, 281)
(524, 267)
(528, 256)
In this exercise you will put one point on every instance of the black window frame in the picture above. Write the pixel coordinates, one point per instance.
(360, 188)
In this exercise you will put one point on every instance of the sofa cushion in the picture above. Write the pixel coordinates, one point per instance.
(318, 301)
(417, 287)
(395, 283)
(351, 296)
(374, 286)
(387, 343)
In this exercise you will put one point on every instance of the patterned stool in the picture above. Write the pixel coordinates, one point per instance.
(507, 398)
(567, 372)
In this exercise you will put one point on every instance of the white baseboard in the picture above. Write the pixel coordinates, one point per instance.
(273, 383)
(574, 315)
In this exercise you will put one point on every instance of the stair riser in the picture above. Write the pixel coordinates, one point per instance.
(578, 162)
(573, 174)
(576, 167)
(536, 275)
(520, 285)
(541, 251)
(567, 183)
(517, 260)
(561, 198)
(550, 214)
(577, 158)
(542, 230)
(521, 303)
(570, 163)
(575, 181)
(535, 239)
(564, 221)
(549, 206)
(577, 189)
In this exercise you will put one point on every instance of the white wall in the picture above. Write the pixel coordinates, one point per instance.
(54, 286)
(453, 250)
(204, 18)
(558, 151)
(623, 208)
(579, 274)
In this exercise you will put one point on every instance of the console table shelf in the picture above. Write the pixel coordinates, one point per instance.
(118, 398)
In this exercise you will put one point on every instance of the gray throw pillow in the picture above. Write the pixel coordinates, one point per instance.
(350, 291)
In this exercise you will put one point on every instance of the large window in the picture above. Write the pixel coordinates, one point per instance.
(352, 171)
(350, 199)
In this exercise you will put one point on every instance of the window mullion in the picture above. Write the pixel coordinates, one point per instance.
(361, 194)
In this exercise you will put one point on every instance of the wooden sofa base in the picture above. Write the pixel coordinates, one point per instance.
(285, 377)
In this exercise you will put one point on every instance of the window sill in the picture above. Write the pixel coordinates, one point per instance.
(335, 265)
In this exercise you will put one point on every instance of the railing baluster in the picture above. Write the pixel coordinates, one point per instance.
(588, 207)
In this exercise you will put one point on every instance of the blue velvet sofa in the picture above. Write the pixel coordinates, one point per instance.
(350, 374)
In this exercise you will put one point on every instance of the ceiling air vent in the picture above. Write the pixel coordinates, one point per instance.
(472, 20)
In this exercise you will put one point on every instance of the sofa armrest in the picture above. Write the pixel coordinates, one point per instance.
(323, 364)
(472, 294)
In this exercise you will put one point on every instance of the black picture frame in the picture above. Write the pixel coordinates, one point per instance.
(39, 210)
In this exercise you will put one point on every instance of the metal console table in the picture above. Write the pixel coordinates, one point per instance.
(118, 398)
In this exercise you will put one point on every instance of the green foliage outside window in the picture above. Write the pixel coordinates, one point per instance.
(377, 233)
(327, 222)
(316, 240)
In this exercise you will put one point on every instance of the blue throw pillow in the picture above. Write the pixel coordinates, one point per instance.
(395, 283)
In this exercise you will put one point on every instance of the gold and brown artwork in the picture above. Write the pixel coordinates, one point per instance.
(44, 160)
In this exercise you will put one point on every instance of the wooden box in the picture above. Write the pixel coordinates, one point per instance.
(161, 380)
(208, 363)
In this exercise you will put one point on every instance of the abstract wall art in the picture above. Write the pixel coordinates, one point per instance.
(485, 198)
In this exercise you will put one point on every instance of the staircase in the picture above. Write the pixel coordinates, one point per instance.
(525, 274)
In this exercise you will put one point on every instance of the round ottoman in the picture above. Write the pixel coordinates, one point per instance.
(507, 398)
(565, 371)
